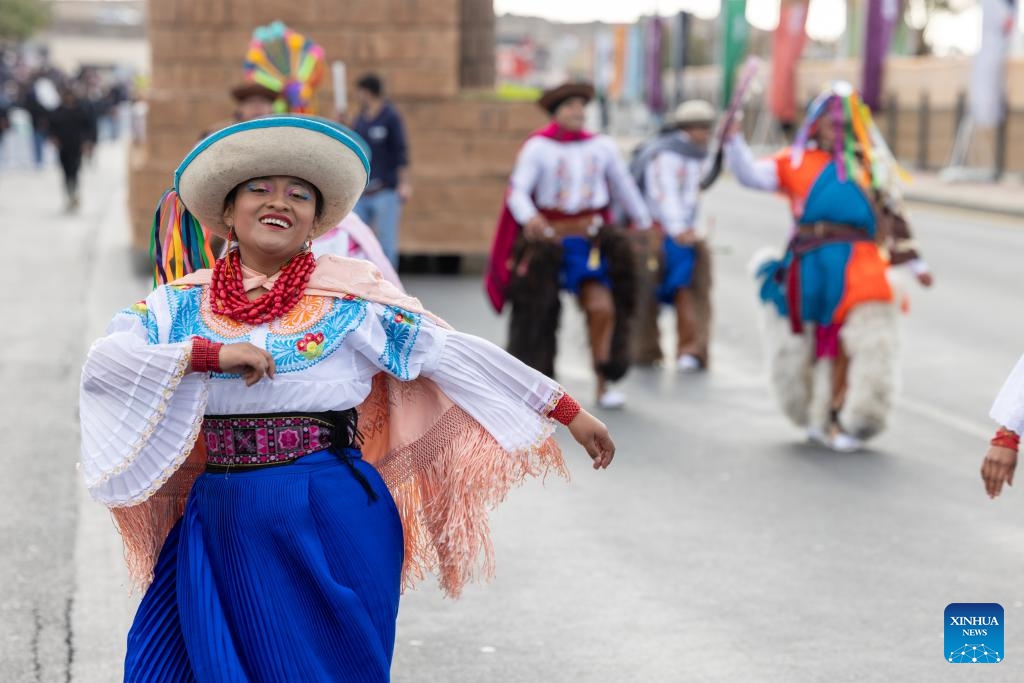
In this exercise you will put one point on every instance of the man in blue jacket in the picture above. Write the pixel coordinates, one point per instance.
(381, 126)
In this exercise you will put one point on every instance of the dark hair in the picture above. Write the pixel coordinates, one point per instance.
(318, 212)
(371, 83)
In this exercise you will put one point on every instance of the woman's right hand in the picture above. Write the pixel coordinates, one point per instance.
(244, 359)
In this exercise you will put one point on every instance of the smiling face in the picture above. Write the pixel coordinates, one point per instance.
(272, 217)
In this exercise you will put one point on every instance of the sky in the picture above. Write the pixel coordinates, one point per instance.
(825, 21)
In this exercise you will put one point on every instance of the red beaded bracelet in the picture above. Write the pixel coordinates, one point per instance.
(565, 410)
(1004, 438)
(205, 355)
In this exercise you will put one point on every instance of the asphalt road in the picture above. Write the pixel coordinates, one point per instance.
(718, 547)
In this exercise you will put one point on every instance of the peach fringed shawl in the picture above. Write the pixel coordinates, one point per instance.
(443, 469)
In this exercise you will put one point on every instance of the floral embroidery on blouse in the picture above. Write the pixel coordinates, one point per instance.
(140, 310)
(295, 352)
(307, 312)
(187, 319)
(401, 329)
(311, 346)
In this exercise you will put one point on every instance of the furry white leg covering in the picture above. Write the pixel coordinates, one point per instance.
(820, 404)
(790, 359)
(870, 337)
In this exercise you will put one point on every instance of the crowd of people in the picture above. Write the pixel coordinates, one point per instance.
(69, 113)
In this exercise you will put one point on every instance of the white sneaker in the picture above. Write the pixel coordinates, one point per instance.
(816, 435)
(611, 400)
(844, 443)
(688, 363)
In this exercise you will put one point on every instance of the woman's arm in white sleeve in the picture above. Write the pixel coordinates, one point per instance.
(140, 406)
(1008, 409)
(509, 399)
(758, 174)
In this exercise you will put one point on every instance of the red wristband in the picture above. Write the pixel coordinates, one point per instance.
(1004, 438)
(565, 410)
(205, 355)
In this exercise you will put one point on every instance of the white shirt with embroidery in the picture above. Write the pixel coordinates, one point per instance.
(141, 408)
(671, 187)
(573, 177)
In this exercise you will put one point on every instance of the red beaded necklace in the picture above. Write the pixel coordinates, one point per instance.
(227, 291)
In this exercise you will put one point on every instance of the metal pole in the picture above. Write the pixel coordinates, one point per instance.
(923, 113)
(1001, 139)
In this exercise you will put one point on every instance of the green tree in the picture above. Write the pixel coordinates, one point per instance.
(21, 19)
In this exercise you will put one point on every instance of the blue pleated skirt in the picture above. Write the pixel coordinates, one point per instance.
(287, 573)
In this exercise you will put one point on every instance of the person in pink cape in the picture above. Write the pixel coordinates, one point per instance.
(353, 238)
(555, 232)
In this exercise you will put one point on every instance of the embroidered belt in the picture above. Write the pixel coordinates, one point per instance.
(811, 236)
(585, 224)
(247, 441)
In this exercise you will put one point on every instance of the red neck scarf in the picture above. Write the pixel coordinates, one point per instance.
(555, 132)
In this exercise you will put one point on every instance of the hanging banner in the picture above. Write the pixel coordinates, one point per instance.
(680, 43)
(883, 15)
(988, 72)
(633, 90)
(604, 62)
(787, 46)
(654, 95)
(617, 87)
(734, 44)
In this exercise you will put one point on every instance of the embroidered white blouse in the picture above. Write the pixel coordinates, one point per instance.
(141, 407)
(572, 177)
(1008, 409)
(671, 187)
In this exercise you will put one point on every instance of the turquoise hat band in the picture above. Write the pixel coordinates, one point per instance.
(333, 130)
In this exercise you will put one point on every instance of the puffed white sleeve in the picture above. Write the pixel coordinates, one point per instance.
(508, 398)
(1008, 409)
(758, 174)
(140, 407)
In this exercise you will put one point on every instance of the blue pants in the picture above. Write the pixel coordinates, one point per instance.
(577, 268)
(680, 260)
(382, 211)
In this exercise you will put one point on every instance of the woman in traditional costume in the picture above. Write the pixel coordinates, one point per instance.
(832, 308)
(285, 443)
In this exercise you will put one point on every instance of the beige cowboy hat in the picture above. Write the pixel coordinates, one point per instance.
(692, 113)
(329, 156)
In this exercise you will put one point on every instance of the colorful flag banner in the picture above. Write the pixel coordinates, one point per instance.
(734, 44)
(988, 72)
(680, 44)
(883, 15)
(654, 93)
(787, 46)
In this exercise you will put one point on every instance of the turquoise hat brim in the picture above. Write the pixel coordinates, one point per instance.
(331, 157)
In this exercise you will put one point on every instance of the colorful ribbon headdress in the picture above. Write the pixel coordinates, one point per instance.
(288, 63)
(859, 149)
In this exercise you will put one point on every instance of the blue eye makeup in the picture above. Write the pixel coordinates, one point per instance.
(257, 186)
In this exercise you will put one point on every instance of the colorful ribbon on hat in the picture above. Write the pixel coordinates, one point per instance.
(178, 244)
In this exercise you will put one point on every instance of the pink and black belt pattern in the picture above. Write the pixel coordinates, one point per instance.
(260, 440)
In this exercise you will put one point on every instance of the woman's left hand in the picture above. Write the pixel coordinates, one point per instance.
(997, 469)
(592, 434)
